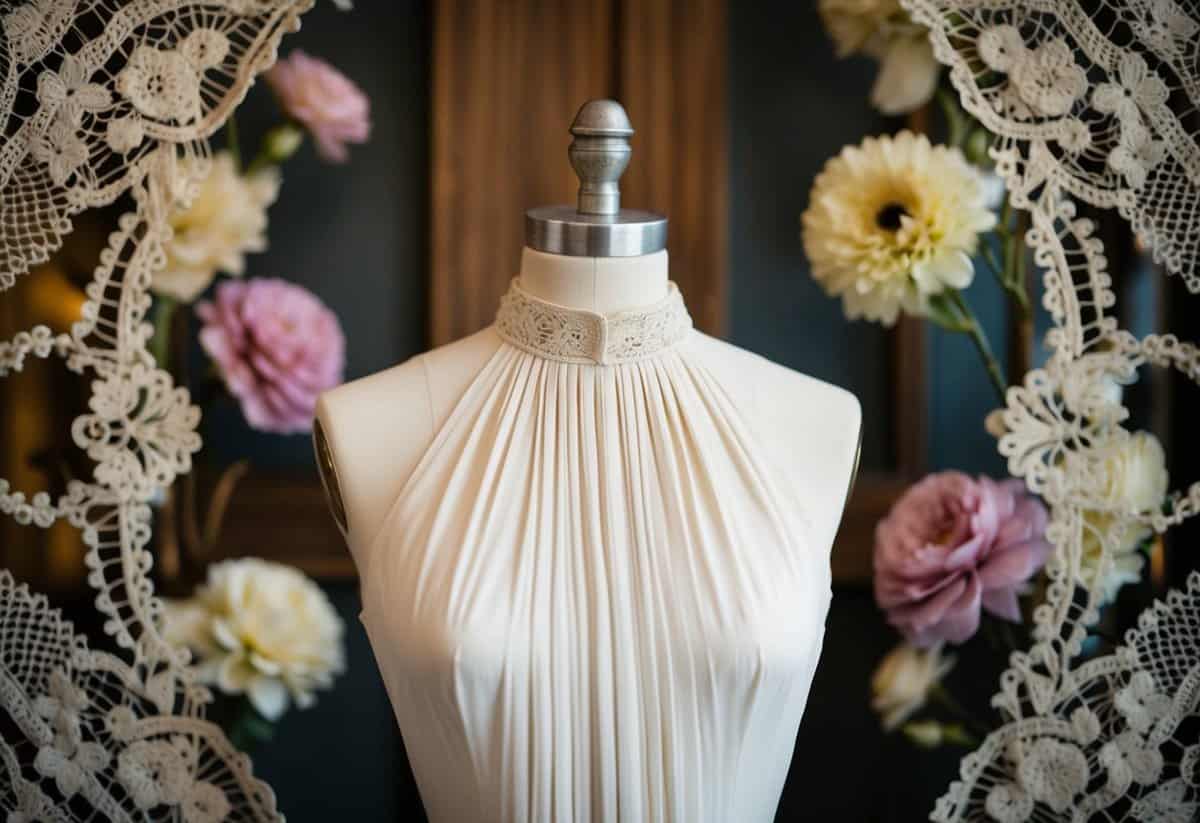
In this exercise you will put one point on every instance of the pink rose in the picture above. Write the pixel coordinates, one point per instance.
(277, 347)
(951, 545)
(324, 101)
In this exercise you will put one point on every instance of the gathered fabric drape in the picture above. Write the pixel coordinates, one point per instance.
(595, 599)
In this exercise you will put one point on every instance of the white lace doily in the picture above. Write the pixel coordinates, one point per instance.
(102, 98)
(1091, 102)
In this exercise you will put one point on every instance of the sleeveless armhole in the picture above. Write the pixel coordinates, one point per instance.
(370, 547)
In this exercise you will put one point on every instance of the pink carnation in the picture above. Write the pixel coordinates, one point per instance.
(324, 101)
(951, 545)
(277, 347)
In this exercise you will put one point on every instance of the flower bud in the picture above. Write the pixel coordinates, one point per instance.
(924, 733)
(976, 147)
(281, 142)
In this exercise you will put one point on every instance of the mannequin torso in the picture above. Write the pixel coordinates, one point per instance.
(593, 545)
(372, 432)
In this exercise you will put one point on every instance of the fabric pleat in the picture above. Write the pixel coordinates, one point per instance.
(595, 600)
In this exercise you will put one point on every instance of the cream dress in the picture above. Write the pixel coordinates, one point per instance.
(595, 599)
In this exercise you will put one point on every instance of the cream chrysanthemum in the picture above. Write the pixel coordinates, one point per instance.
(260, 629)
(1135, 480)
(227, 219)
(893, 222)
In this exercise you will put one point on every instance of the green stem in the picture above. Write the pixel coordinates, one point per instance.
(972, 328)
(956, 122)
(249, 729)
(160, 342)
(958, 735)
(232, 143)
(1002, 227)
(995, 265)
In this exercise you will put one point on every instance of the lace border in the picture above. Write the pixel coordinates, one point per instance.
(580, 336)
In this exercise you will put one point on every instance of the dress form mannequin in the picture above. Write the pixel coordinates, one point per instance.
(374, 434)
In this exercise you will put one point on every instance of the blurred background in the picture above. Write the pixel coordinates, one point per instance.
(737, 106)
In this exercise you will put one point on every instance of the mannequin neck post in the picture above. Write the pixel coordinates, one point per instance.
(599, 284)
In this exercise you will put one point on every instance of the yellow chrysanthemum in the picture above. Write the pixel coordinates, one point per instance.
(893, 222)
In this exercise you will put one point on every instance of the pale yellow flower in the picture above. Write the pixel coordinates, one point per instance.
(908, 71)
(262, 629)
(893, 222)
(902, 682)
(227, 219)
(1135, 480)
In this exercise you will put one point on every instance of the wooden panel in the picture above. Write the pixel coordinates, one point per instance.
(910, 397)
(852, 550)
(508, 78)
(672, 68)
(284, 517)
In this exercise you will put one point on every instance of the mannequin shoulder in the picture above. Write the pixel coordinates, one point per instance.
(774, 390)
(813, 428)
(371, 432)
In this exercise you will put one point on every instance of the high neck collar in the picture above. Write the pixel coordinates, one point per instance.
(580, 336)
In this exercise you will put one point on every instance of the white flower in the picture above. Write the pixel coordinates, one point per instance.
(261, 629)
(1134, 481)
(1167, 28)
(1085, 724)
(227, 218)
(1008, 803)
(1054, 772)
(1049, 80)
(1139, 88)
(68, 89)
(908, 74)
(67, 758)
(158, 772)
(893, 222)
(1168, 803)
(30, 28)
(1136, 155)
(1135, 475)
(124, 134)
(205, 803)
(1046, 79)
(903, 680)
(154, 772)
(1141, 703)
(1128, 758)
(161, 85)
(61, 149)
(908, 71)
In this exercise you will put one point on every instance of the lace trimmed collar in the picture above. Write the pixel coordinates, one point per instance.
(581, 336)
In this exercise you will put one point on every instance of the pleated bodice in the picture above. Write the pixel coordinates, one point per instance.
(594, 599)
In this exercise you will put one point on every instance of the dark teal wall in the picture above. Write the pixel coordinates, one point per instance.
(356, 234)
(793, 105)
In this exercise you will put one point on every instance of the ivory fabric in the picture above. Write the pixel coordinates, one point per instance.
(595, 599)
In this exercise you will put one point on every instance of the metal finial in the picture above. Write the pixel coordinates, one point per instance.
(599, 154)
(598, 226)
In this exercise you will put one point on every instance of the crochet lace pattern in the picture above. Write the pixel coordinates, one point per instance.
(580, 336)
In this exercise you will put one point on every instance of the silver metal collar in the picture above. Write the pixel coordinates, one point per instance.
(598, 226)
